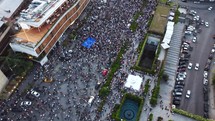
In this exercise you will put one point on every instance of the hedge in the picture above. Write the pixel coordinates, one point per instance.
(105, 89)
(147, 86)
(116, 111)
(156, 90)
(114, 67)
(190, 115)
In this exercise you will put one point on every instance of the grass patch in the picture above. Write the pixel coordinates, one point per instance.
(190, 115)
(163, 1)
(134, 26)
(159, 20)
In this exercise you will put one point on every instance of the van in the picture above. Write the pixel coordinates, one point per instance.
(90, 101)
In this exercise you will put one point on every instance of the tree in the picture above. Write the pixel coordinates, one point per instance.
(15, 62)
(165, 77)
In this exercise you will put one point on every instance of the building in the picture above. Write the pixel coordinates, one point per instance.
(42, 24)
(8, 9)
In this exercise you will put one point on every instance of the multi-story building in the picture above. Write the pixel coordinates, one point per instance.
(8, 9)
(43, 23)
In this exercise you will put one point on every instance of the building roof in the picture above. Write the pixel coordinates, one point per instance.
(39, 11)
(8, 7)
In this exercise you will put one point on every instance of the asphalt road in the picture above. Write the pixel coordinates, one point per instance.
(200, 53)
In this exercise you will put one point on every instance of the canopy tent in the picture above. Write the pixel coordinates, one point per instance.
(89, 42)
(134, 82)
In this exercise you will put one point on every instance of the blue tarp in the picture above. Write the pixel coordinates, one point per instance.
(89, 42)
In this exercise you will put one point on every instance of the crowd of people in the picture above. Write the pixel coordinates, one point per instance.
(76, 70)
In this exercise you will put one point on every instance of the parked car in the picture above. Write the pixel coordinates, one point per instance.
(180, 83)
(205, 89)
(176, 102)
(179, 86)
(206, 115)
(205, 81)
(205, 74)
(183, 59)
(178, 90)
(206, 97)
(206, 107)
(177, 98)
(182, 62)
(207, 67)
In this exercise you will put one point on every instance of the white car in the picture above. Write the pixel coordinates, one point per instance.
(190, 66)
(197, 66)
(206, 24)
(188, 94)
(205, 81)
(213, 50)
(194, 39)
(25, 103)
(210, 8)
(205, 74)
(35, 93)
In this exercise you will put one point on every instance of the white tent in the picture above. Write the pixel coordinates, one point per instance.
(134, 82)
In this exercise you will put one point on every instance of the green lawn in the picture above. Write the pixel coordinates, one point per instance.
(159, 20)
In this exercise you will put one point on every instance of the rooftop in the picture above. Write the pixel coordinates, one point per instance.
(39, 11)
(8, 7)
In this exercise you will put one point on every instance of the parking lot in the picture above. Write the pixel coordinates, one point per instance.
(195, 51)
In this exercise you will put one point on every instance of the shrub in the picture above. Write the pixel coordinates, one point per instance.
(150, 117)
(176, 18)
(193, 116)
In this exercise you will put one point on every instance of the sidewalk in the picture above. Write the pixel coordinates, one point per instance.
(211, 94)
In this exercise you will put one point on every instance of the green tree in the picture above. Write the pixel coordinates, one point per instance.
(165, 77)
(15, 62)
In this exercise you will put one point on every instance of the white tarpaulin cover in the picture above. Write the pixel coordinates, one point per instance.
(168, 34)
(134, 82)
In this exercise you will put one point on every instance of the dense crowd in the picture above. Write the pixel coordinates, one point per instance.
(75, 77)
